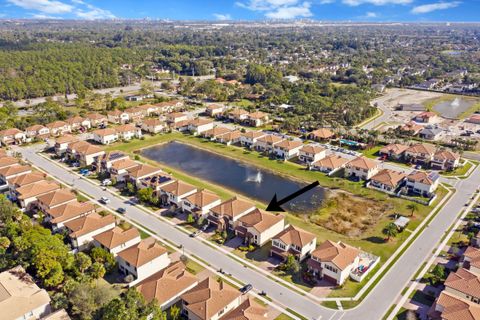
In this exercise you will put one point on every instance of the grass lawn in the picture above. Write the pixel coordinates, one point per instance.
(460, 171)
(372, 153)
(193, 267)
(283, 317)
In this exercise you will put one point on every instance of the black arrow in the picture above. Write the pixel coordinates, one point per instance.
(275, 204)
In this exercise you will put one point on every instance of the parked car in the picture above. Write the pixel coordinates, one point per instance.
(246, 288)
(195, 233)
(106, 182)
(121, 210)
(104, 200)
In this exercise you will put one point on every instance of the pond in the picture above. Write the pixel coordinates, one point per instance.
(453, 108)
(237, 176)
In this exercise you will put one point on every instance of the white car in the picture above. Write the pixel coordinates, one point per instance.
(104, 200)
(106, 182)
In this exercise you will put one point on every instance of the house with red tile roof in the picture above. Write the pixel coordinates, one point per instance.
(258, 227)
(293, 241)
(361, 168)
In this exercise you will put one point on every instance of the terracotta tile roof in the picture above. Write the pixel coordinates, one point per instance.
(362, 163)
(58, 315)
(15, 169)
(296, 236)
(70, 210)
(167, 284)
(253, 134)
(153, 122)
(74, 120)
(232, 207)
(422, 148)
(331, 162)
(10, 132)
(389, 177)
(26, 179)
(125, 128)
(178, 188)
(247, 310)
(340, 254)
(216, 131)
(95, 116)
(474, 256)
(209, 297)
(446, 155)
(412, 126)
(258, 115)
(19, 294)
(421, 177)
(464, 281)
(289, 144)
(66, 139)
(35, 127)
(133, 110)
(322, 133)
(89, 149)
(260, 220)
(270, 139)
(8, 161)
(238, 112)
(312, 149)
(214, 107)
(231, 135)
(37, 188)
(56, 124)
(124, 164)
(115, 113)
(116, 236)
(105, 132)
(77, 144)
(87, 224)
(455, 308)
(200, 121)
(57, 197)
(142, 253)
(202, 198)
(142, 170)
(394, 148)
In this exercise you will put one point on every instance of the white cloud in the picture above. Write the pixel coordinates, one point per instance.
(49, 9)
(279, 9)
(222, 17)
(375, 2)
(44, 6)
(370, 15)
(426, 8)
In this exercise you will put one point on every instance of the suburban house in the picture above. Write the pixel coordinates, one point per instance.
(210, 300)
(55, 199)
(430, 133)
(464, 284)
(176, 117)
(119, 169)
(37, 131)
(156, 182)
(361, 168)
(412, 127)
(257, 119)
(21, 298)
(105, 136)
(238, 115)
(231, 137)
(82, 230)
(66, 212)
(59, 128)
(27, 195)
(87, 154)
(143, 259)
(60, 314)
(200, 203)
(72, 149)
(474, 118)
(77, 123)
(471, 259)
(451, 307)
(199, 125)
(267, 143)
(393, 151)
(212, 134)
(420, 153)
(214, 110)
(14, 171)
(169, 106)
(105, 161)
(333, 261)
(387, 180)
(141, 171)
(118, 117)
(7, 161)
(12, 136)
(173, 193)
(425, 117)
(287, 149)
(167, 285)
(422, 183)
(330, 163)
(128, 132)
(149, 110)
(61, 144)
(249, 138)
(321, 134)
(247, 310)
(226, 214)
(96, 119)
(135, 114)
(445, 160)
(293, 241)
(311, 153)
(24, 180)
(258, 227)
(153, 126)
(117, 239)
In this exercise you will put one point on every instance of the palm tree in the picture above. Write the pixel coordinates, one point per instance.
(390, 230)
(413, 207)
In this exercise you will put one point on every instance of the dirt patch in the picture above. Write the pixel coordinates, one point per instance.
(349, 215)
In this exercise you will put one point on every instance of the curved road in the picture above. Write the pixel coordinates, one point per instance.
(375, 305)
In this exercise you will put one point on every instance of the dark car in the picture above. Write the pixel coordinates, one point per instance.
(195, 234)
(121, 210)
(246, 288)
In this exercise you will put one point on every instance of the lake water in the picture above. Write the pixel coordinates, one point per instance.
(453, 108)
(235, 175)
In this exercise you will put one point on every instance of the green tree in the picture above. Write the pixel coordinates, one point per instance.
(145, 194)
(97, 270)
(86, 299)
(390, 231)
(438, 273)
(174, 312)
(103, 256)
(82, 262)
(190, 218)
(292, 264)
(413, 207)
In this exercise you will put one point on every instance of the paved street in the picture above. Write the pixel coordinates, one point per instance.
(373, 307)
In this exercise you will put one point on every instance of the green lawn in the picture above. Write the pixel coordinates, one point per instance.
(372, 153)
(193, 267)
(460, 171)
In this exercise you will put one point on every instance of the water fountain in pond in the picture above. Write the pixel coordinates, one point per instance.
(455, 103)
(257, 178)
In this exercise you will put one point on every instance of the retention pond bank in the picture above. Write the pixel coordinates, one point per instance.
(245, 179)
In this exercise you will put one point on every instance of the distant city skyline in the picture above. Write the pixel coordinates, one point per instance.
(224, 10)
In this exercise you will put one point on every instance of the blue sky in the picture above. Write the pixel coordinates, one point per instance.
(343, 10)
